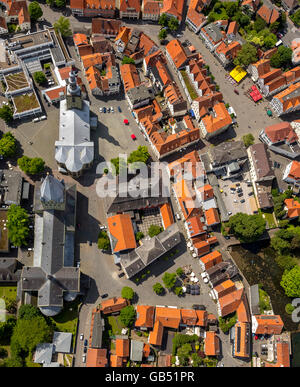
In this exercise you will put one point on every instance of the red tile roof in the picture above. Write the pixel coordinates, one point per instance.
(211, 344)
(80, 39)
(212, 216)
(145, 316)
(173, 7)
(130, 4)
(267, 324)
(293, 208)
(167, 215)
(283, 355)
(230, 302)
(211, 259)
(97, 357)
(281, 132)
(122, 347)
(121, 229)
(269, 15)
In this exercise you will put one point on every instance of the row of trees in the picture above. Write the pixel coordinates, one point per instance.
(140, 155)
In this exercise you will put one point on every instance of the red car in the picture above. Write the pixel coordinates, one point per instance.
(236, 92)
(133, 136)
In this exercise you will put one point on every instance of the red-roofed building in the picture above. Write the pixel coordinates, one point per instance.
(230, 302)
(278, 133)
(92, 8)
(166, 215)
(195, 227)
(269, 15)
(145, 317)
(121, 232)
(188, 317)
(282, 350)
(97, 357)
(227, 52)
(250, 6)
(108, 28)
(201, 105)
(151, 10)
(292, 208)
(210, 260)
(173, 8)
(129, 9)
(211, 344)
(292, 173)
(214, 124)
(267, 324)
(177, 55)
(16, 13)
(232, 30)
(287, 101)
(195, 19)
(212, 217)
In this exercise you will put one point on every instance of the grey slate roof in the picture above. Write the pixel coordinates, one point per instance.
(53, 274)
(11, 186)
(261, 160)
(52, 190)
(254, 300)
(150, 250)
(227, 152)
(74, 148)
(98, 328)
(8, 270)
(43, 353)
(136, 350)
(139, 94)
(62, 342)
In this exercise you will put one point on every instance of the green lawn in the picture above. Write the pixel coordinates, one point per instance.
(8, 292)
(66, 321)
(188, 85)
(269, 217)
(114, 325)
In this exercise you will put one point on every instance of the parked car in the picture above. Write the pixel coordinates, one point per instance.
(104, 109)
(90, 243)
(250, 193)
(240, 194)
(204, 277)
(120, 110)
(100, 110)
(236, 92)
(120, 275)
(83, 358)
(178, 216)
(229, 213)
(43, 118)
(36, 119)
(112, 109)
(81, 336)
(108, 109)
(198, 307)
(85, 342)
(84, 349)
(104, 295)
(133, 136)
(102, 227)
(235, 201)
(243, 201)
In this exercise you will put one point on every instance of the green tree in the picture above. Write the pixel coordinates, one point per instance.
(127, 60)
(119, 165)
(28, 312)
(39, 77)
(286, 262)
(225, 323)
(169, 280)
(197, 360)
(63, 27)
(139, 235)
(274, 27)
(17, 225)
(6, 329)
(154, 230)
(259, 24)
(231, 8)
(291, 282)
(158, 288)
(282, 58)
(162, 34)
(127, 315)
(247, 228)
(163, 20)
(103, 241)
(60, 3)
(246, 56)
(127, 293)
(35, 11)
(270, 41)
(289, 308)
(296, 18)
(50, 3)
(179, 272)
(248, 140)
(8, 145)
(6, 114)
(178, 291)
(31, 166)
(27, 334)
(173, 24)
(139, 155)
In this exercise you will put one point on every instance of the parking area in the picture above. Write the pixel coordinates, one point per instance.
(236, 195)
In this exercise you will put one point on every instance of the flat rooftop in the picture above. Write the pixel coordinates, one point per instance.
(34, 39)
(25, 102)
(16, 81)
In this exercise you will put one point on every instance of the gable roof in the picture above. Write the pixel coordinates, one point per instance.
(293, 208)
(97, 357)
(121, 231)
(122, 346)
(145, 316)
(230, 302)
(269, 15)
(169, 317)
(211, 344)
(174, 8)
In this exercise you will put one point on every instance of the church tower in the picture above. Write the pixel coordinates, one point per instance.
(74, 97)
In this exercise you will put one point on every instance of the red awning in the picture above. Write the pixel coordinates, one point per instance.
(126, 121)
(255, 94)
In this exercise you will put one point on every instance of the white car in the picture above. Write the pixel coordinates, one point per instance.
(229, 213)
(81, 336)
(43, 118)
(100, 110)
(178, 216)
(102, 227)
(83, 358)
(112, 109)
